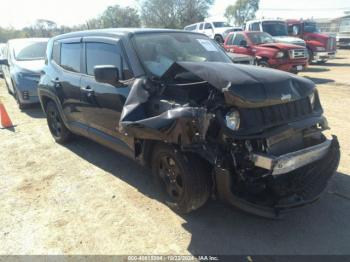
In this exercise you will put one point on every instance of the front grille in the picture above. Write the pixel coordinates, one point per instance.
(298, 53)
(276, 114)
(331, 44)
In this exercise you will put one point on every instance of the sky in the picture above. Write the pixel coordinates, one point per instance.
(20, 13)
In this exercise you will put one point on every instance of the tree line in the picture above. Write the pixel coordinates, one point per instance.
(151, 13)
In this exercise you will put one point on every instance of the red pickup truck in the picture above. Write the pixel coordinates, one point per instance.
(286, 57)
(321, 47)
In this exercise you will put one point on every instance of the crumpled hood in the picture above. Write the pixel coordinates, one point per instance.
(281, 46)
(290, 40)
(247, 86)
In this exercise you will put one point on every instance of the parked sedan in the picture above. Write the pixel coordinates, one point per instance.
(282, 56)
(22, 65)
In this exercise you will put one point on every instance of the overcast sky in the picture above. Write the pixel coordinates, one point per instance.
(20, 13)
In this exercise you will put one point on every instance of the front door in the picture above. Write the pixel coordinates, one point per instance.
(103, 103)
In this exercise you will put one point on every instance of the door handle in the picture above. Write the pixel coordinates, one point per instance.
(88, 90)
(56, 83)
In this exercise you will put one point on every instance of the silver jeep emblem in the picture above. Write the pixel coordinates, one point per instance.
(286, 97)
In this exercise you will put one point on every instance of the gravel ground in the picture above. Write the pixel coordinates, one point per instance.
(85, 199)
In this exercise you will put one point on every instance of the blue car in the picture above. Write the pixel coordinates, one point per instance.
(22, 64)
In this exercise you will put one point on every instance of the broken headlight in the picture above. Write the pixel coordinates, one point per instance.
(232, 120)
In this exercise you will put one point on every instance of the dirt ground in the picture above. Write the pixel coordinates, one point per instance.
(85, 199)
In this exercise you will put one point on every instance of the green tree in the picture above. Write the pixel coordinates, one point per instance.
(173, 13)
(115, 16)
(242, 11)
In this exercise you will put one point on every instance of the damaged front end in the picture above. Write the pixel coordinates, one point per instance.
(261, 130)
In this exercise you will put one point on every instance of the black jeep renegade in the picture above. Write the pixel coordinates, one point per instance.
(174, 101)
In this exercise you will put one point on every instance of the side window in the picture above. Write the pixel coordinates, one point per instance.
(230, 39)
(56, 52)
(106, 54)
(255, 27)
(70, 56)
(208, 26)
(238, 38)
(201, 26)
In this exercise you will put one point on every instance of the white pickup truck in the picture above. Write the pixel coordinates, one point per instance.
(217, 30)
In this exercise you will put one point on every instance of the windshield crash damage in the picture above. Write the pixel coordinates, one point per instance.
(262, 132)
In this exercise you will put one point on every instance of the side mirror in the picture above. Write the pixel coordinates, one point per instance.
(243, 43)
(107, 74)
(4, 62)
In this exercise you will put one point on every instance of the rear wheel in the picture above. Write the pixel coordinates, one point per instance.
(184, 178)
(59, 131)
(219, 39)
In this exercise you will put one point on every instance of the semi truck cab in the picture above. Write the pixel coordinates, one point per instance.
(321, 46)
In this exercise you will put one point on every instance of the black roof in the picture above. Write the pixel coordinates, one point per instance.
(118, 32)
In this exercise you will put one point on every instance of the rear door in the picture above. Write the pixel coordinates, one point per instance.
(66, 79)
(103, 103)
(236, 44)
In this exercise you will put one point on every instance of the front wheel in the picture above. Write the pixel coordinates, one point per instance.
(59, 131)
(185, 178)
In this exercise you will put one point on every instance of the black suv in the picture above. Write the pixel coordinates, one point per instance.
(174, 101)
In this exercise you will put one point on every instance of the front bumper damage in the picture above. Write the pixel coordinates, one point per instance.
(291, 161)
(154, 112)
(312, 174)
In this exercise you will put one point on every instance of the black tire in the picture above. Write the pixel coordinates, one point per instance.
(184, 178)
(219, 39)
(59, 131)
(263, 63)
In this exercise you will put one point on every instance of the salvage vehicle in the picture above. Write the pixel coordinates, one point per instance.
(321, 47)
(217, 30)
(286, 57)
(277, 28)
(174, 101)
(24, 59)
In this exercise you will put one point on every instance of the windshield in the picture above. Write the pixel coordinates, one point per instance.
(344, 26)
(260, 38)
(30, 50)
(311, 27)
(221, 24)
(275, 28)
(159, 51)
